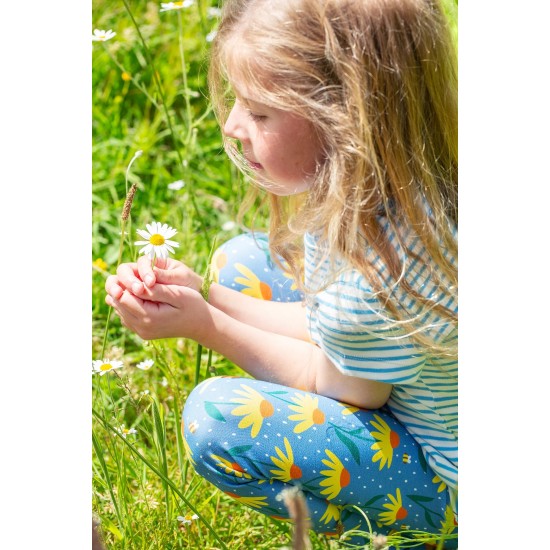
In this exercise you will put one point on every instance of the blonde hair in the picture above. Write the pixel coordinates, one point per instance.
(377, 79)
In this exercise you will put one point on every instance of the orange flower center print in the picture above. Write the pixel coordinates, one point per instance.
(308, 411)
(254, 408)
(255, 287)
(395, 512)
(336, 477)
(287, 469)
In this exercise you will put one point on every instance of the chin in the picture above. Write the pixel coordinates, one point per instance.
(285, 189)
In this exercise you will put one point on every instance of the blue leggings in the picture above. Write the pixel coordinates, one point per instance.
(252, 439)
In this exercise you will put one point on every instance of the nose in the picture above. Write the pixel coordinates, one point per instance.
(234, 126)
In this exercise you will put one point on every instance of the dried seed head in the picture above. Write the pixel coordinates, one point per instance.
(128, 202)
(379, 542)
(297, 508)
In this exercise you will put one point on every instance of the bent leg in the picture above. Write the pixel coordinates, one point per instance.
(252, 439)
(244, 264)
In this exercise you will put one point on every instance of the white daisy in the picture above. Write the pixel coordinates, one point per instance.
(188, 518)
(105, 365)
(126, 431)
(176, 185)
(102, 36)
(214, 12)
(157, 243)
(229, 225)
(146, 364)
(169, 6)
(211, 35)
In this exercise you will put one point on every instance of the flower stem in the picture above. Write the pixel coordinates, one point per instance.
(120, 248)
(167, 114)
(123, 219)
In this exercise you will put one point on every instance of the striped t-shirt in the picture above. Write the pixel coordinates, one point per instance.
(348, 321)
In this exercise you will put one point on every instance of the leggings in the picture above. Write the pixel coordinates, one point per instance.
(252, 439)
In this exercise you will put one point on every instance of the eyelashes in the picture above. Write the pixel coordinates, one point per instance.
(255, 117)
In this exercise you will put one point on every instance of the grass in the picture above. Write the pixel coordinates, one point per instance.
(150, 95)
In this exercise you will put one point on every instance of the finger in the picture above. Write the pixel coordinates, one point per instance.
(145, 270)
(129, 277)
(127, 319)
(128, 307)
(112, 287)
(173, 295)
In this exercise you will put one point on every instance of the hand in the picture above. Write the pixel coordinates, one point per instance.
(137, 277)
(164, 311)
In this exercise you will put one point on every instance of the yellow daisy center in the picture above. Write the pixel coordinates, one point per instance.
(156, 239)
(106, 366)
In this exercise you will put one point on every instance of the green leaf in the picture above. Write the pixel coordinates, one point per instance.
(372, 501)
(352, 447)
(429, 519)
(239, 451)
(110, 526)
(213, 411)
(419, 498)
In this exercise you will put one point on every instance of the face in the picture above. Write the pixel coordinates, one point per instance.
(280, 147)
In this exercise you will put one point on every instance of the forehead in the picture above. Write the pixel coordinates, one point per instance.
(245, 71)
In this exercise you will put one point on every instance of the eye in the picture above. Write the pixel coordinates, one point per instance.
(255, 117)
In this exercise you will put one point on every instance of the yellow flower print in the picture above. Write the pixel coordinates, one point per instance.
(253, 502)
(288, 470)
(332, 513)
(253, 407)
(294, 286)
(280, 518)
(308, 412)
(396, 511)
(449, 524)
(230, 467)
(186, 445)
(219, 261)
(442, 484)
(387, 441)
(337, 477)
(255, 287)
(348, 409)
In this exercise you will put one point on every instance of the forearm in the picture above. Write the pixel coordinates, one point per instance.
(288, 361)
(264, 354)
(284, 318)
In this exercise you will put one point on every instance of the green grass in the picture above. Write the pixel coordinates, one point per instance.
(148, 96)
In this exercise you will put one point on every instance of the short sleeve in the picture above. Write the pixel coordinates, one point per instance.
(347, 321)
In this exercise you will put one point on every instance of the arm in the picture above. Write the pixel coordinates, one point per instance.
(173, 310)
(139, 278)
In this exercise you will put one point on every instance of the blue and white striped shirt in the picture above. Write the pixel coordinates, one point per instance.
(349, 322)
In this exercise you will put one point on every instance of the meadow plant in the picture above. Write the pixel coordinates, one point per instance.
(150, 96)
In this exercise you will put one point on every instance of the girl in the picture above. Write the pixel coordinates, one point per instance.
(344, 115)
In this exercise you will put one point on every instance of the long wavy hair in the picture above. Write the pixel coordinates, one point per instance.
(377, 79)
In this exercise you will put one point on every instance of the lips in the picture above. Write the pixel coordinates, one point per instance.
(254, 165)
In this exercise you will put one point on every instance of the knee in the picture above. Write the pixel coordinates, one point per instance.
(203, 420)
(244, 264)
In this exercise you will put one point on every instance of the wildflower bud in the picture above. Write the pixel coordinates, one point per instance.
(295, 503)
(128, 202)
(379, 542)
